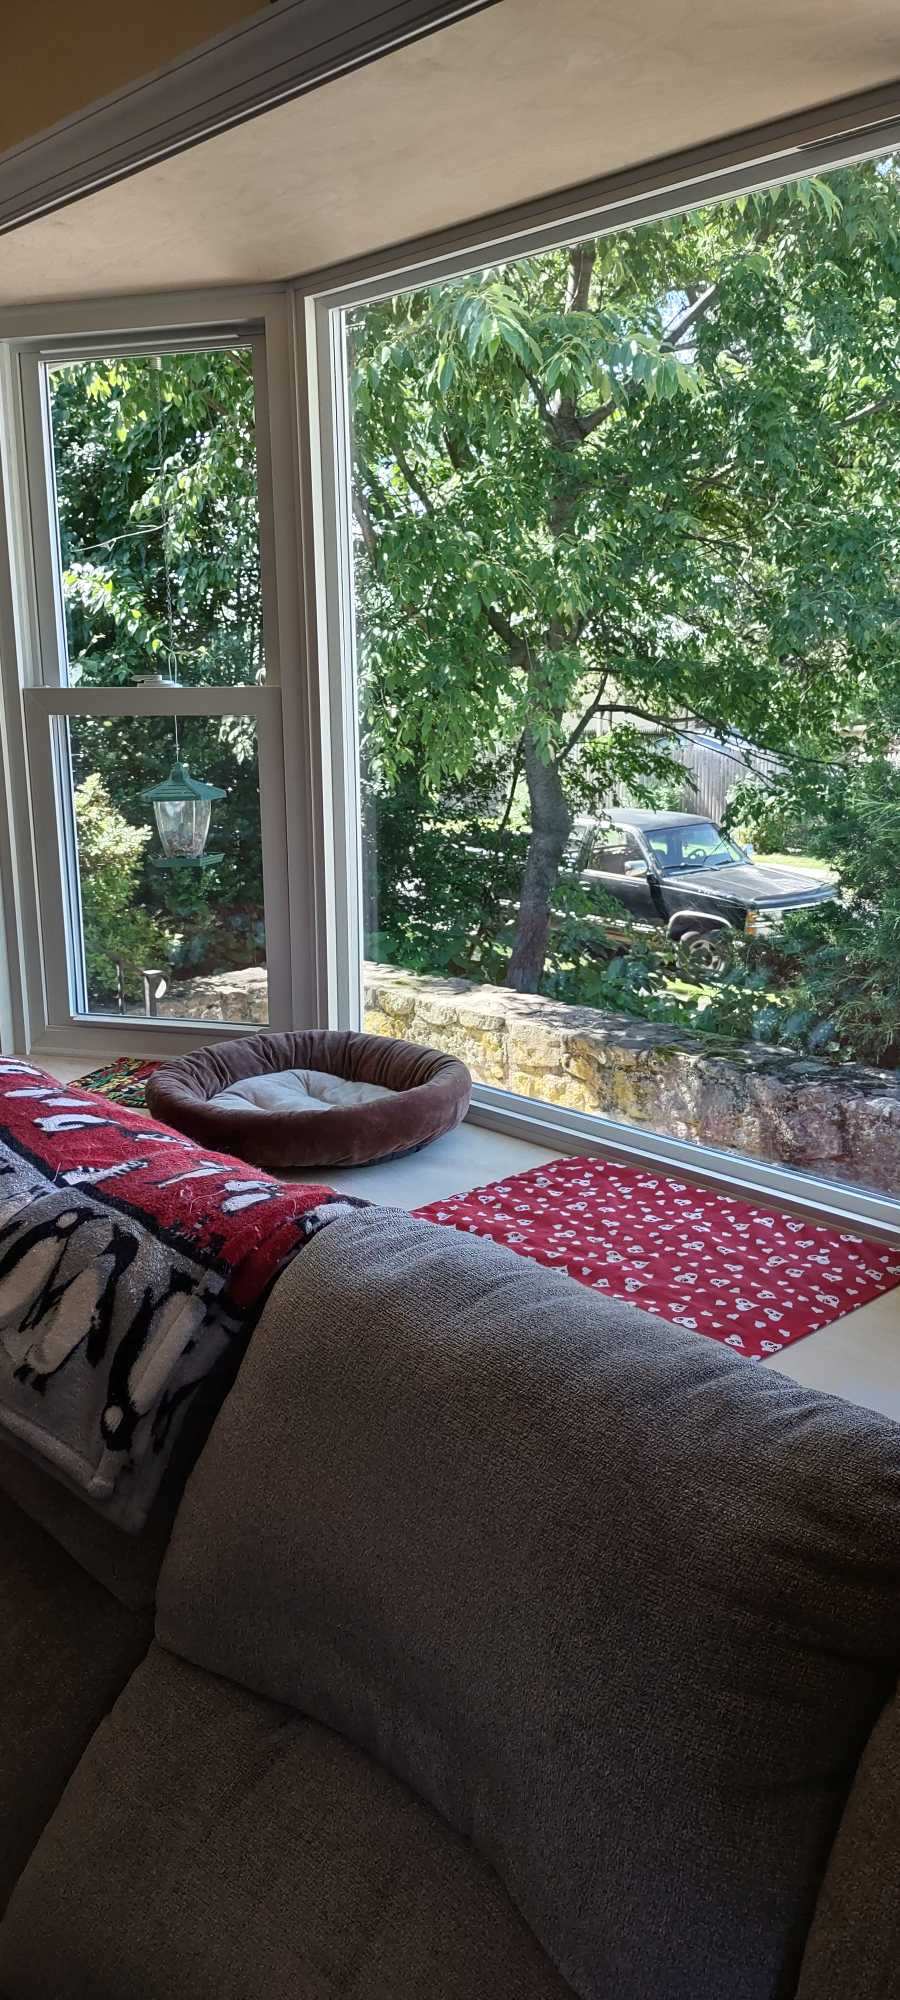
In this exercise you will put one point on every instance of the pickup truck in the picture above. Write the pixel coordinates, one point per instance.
(681, 872)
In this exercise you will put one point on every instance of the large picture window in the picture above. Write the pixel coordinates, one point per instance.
(620, 524)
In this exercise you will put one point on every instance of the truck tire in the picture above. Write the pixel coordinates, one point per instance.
(701, 952)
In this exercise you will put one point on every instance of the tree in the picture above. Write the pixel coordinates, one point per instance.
(649, 477)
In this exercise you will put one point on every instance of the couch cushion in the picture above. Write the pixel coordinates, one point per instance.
(216, 1846)
(66, 1649)
(854, 1945)
(623, 1608)
(126, 1565)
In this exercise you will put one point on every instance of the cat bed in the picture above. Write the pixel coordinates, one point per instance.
(314, 1099)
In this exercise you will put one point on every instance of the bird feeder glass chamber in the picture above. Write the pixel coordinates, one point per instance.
(181, 808)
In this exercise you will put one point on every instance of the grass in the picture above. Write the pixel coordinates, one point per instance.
(685, 989)
(806, 862)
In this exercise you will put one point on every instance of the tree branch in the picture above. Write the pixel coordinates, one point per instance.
(684, 731)
(868, 410)
(708, 479)
(659, 721)
(677, 328)
(414, 484)
(504, 630)
(363, 521)
(460, 457)
(592, 419)
(538, 394)
(592, 709)
(582, 258)
(516, 774)
(564, 421)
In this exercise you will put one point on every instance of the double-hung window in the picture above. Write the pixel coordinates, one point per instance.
(158, 623)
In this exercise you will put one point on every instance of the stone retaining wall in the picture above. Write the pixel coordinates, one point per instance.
(839, 1121)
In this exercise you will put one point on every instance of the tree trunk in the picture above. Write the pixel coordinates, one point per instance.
(550, 827)
(551, 820)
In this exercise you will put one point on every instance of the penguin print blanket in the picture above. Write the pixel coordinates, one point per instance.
(133, 1267)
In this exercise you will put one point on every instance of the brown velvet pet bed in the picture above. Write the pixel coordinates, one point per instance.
(312, 1100)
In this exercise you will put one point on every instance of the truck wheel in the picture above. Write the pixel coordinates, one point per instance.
(703, 952)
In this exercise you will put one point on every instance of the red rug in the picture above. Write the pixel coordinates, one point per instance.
(700, 1259)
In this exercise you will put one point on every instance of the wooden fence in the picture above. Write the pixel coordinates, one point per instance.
(712, 769)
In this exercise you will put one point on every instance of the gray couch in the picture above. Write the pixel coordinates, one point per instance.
(508, 1645)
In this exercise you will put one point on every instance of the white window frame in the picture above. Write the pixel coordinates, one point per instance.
(320, 303)
(310, 622)
(46, 713)
(45, 1007)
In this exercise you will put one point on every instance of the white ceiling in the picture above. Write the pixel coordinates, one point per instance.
(522, 99)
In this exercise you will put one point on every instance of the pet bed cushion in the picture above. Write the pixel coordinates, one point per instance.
(297, 1090)
(264, 1096)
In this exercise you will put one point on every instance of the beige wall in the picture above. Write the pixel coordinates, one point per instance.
(59, 57)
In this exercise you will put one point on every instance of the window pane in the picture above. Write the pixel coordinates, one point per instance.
(190, 918)
(158, 517)
(610, 851)
(626, 538)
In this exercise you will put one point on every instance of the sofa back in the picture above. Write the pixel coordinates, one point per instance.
(854, 1945)
(621, 1608)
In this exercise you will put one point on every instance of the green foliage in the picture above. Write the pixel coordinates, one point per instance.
(156, 472)
(828, 982)
(843, 959)
(767, 817)
(596, 492)
(626, 767)
(110, 853)
(463, 928)
(611, 487)
(127, 509)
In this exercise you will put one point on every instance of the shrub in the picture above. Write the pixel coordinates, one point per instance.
(440, 880)
(770, 820)
(110, 855)
(843, 958)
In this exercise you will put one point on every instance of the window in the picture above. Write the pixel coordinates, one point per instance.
(575, 537)
(157, 517)
(175, 929)
(612, 848)
(154, 713)
(694, 845)
(594, 546)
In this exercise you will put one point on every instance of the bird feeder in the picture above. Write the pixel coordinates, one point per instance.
(181, 808)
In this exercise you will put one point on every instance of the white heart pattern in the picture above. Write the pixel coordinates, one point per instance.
(630, 1234)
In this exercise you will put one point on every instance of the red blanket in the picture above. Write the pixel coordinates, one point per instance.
(234, 1218)
(133, 1267)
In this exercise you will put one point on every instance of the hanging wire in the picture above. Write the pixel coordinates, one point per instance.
(166, 554)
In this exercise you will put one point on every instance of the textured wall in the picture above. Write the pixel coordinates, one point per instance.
(842, 1122)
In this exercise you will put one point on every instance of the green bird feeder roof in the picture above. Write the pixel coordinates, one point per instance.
(179, 786)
